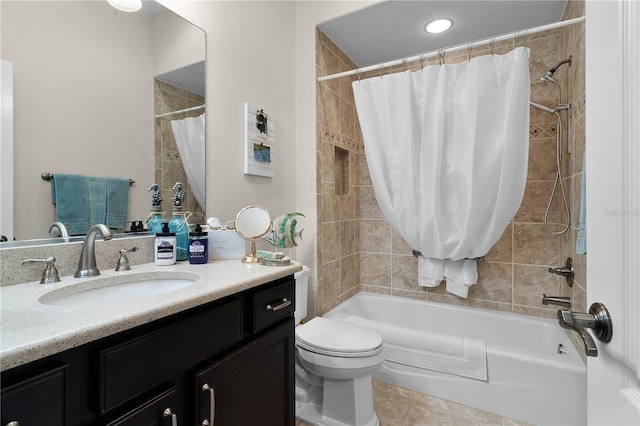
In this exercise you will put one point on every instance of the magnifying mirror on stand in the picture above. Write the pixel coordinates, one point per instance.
(252, 223)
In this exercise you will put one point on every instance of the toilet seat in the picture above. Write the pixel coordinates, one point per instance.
(337, 338)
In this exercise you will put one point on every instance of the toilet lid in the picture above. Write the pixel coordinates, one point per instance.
(337, 338)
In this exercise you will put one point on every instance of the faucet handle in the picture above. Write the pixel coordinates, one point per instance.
(123, 261)
(50, 273)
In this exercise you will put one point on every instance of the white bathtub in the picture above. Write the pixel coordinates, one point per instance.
(528, 380)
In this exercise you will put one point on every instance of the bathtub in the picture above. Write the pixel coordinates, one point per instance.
(527, 378)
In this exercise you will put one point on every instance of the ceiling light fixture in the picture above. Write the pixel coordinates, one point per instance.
(438, 26)
(126, 5)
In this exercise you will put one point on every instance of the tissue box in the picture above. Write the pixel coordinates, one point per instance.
(225, 244)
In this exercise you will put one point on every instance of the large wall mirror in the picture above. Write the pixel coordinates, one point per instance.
(89, 83)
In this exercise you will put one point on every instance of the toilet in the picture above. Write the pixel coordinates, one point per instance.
(334, 363)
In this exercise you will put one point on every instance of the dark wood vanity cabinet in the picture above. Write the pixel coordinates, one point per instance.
(229, 362)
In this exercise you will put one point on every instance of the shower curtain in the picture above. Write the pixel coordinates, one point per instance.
(447, 150)
(189, 134)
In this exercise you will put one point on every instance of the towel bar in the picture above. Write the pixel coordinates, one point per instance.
(49, 177)
(416, 253)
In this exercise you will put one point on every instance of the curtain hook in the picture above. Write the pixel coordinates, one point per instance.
(469, 47)
(493, 46)
(380, 67)
(358, 74)
(404, 64)
(441, 54)
(421, 62)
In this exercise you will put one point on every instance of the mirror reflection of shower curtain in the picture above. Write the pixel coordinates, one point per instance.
(189, 134)
(447, 149)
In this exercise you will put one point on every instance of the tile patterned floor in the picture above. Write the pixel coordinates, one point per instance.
(402, 407)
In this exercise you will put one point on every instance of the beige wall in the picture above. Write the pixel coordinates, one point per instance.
(358, 249)
(57, 128)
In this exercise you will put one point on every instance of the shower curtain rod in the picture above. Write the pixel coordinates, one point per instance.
(195, 108)
(453, 49)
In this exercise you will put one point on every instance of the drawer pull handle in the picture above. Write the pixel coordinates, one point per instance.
(13, 423)
(285, 302)
(212, 405)
(168, 413)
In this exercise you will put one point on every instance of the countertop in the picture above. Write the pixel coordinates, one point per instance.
(30, 330)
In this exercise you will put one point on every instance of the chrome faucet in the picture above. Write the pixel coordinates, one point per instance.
(556, 300)
(57, 229)
(87, 265)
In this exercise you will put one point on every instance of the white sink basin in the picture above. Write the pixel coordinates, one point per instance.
(118, 289)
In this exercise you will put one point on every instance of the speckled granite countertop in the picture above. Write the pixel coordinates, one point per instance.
(30, 330)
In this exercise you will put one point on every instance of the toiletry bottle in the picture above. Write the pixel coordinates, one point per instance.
(178, 224)
(198, 246)
(165, 247)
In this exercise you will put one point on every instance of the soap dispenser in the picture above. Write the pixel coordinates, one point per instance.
(165, 246)
(155, 223)
(178, 224)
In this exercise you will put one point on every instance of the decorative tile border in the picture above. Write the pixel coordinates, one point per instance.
(341, 141)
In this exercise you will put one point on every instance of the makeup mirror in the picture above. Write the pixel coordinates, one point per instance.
(252, 223)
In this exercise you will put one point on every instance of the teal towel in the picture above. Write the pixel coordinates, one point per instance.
(71, 196)
(117, 202)
(82, 202)
(581, 240)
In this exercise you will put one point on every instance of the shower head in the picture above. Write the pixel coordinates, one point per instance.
(543, 108)
(548, 76)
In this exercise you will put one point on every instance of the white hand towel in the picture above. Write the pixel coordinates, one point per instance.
(430, 271)
(460, 275)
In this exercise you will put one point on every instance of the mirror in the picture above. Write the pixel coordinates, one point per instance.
(252, 223)
(84, 77)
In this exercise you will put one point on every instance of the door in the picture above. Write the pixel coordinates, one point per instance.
(613, 207)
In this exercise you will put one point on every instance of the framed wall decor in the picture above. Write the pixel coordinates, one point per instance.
(259, 142)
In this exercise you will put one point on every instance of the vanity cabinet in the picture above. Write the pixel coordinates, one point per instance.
(36, 400)
(229, 362)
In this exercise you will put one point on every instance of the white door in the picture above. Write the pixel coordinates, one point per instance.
(613, 206)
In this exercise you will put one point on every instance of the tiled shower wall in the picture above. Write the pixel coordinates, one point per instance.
(168, 164)
(359, 251)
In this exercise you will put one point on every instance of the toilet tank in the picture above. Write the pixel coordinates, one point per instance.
(302, 288)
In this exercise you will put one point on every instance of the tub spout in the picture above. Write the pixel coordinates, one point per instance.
(556, 300)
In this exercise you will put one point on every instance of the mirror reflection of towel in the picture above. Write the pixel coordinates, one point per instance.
(83, 201)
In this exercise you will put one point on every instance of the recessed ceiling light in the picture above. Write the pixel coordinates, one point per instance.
(126, 5)
(438, 26)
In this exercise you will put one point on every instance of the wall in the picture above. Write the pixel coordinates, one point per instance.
(57, 129)
(514, 274)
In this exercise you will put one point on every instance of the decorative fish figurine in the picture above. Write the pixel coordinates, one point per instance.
(284, 234)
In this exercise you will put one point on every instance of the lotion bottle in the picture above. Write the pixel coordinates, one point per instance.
(165, 247)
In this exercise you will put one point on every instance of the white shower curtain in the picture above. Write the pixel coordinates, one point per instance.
(447, 149)
(189, 134)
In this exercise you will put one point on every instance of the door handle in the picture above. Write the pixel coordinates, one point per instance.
(212, 405)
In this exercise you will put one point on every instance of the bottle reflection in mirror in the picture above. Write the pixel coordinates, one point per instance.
(178, 224)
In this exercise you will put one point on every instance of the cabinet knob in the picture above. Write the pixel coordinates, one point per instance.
(168, 413)
(212, 405)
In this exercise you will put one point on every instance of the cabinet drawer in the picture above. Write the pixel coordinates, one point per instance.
(272, 304)
(153, 412)
(46, 391)
(135, 366)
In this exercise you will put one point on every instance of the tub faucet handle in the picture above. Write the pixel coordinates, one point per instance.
(565, 271)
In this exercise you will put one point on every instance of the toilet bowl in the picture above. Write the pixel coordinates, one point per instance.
(334, 363)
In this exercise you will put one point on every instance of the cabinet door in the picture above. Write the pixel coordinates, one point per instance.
(252, 386)
(39, 400)
(160, 411)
